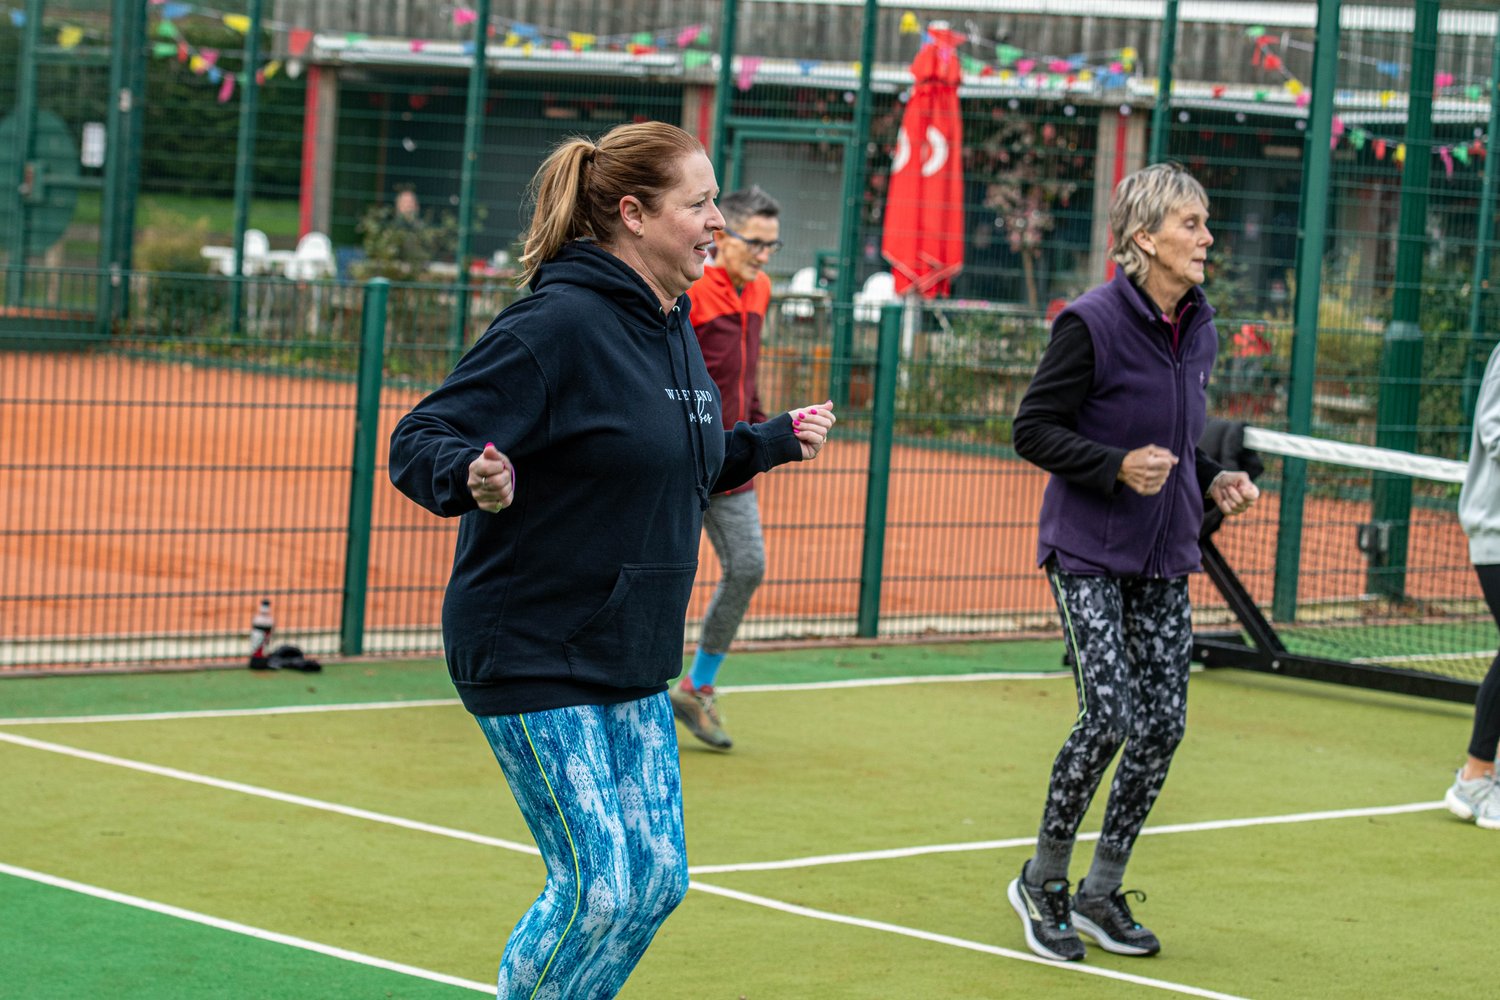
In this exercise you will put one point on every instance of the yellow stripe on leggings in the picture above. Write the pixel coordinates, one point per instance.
(577, 874)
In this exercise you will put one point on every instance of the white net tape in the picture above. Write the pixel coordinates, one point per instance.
(1359, 456)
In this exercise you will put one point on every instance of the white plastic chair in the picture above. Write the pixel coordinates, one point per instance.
(312, 259)
(800, 291)
(257, 252)
(879, 289)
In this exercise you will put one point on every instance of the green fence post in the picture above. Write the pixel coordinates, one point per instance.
(1312, 230)
(1474, 364)
(724, 91)
(1161, 114)
(878, 485)
(15, 185)
(362, 485)
(1401, 360)
(473, 135)
(244, 163)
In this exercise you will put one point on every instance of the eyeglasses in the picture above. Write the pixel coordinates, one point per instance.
(756, 246)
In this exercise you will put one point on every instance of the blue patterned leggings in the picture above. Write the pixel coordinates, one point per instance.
(1131, 640)
(601, 790)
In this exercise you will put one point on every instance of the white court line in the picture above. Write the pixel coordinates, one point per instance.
(237, 928)
(749, 866)
(988, 949)
(397, 821)
(230, 713)
(268, 793)
(994, 845)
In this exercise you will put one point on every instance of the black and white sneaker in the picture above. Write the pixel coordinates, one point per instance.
(1046, 916)
(1107, 919)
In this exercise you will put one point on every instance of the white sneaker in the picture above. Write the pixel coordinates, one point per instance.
(1478, 800)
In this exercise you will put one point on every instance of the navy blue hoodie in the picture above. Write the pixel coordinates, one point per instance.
(577, 593)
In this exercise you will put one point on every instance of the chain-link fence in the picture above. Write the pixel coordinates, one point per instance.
(1345, 150)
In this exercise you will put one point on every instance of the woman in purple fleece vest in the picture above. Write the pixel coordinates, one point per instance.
(1114, 413)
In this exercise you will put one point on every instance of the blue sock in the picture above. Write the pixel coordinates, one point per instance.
(705, 668)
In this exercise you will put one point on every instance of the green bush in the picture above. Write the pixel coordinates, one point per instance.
(173, 300)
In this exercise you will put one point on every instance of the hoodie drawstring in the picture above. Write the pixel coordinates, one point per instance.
(690, 412)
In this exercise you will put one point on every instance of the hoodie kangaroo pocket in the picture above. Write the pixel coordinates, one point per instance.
(635, 639)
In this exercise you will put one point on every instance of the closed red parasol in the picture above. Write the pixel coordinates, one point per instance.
(924, 209)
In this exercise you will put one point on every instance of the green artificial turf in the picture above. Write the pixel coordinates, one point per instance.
(1306, 909)
(76, 945)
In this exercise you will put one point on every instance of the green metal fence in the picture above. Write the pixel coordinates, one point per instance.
(1345, 148)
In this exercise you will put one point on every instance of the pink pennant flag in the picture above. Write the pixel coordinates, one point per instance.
(1024, 66)
(1059, 66)
(1442, 80)
(463, 16)
(1446, 154)
(210, 57)
(749, 66)
(687, 36)
(1303, 98)
(1338, 132)
(226, 89)
(417, 45)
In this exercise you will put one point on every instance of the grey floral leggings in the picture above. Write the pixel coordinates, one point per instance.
(1131, 640)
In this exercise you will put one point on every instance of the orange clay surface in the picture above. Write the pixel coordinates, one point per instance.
(143, 497)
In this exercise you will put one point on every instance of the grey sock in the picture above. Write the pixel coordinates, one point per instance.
(1050, 861)
(1106, 873)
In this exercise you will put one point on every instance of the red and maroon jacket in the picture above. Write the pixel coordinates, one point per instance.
(728, 321)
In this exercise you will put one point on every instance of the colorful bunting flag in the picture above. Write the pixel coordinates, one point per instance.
(237, 22)
(749, 66)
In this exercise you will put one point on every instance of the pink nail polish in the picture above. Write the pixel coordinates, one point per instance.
(489, 444)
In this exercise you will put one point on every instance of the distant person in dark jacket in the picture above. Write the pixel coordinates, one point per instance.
(579, 441)
(729, 309)
(1114, 413)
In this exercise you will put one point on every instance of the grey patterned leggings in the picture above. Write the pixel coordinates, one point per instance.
(1131, 640)
(733, 525)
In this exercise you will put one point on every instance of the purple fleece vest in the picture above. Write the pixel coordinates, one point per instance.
(1143, 393)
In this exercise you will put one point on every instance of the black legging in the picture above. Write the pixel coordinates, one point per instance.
(1486, 736)
(1131, 640)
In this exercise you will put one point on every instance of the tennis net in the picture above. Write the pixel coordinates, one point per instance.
(1352, 568)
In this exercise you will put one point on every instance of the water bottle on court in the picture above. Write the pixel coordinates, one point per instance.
(261, 627)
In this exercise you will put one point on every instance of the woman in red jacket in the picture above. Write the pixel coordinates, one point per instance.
(729, 308)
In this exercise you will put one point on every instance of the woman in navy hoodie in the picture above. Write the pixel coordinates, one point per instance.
(580, 440)
(1114, 413)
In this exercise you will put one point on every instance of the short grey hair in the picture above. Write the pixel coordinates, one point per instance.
(1141, 204)
(740, 206)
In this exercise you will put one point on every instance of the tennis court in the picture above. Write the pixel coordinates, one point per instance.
(236, 834)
